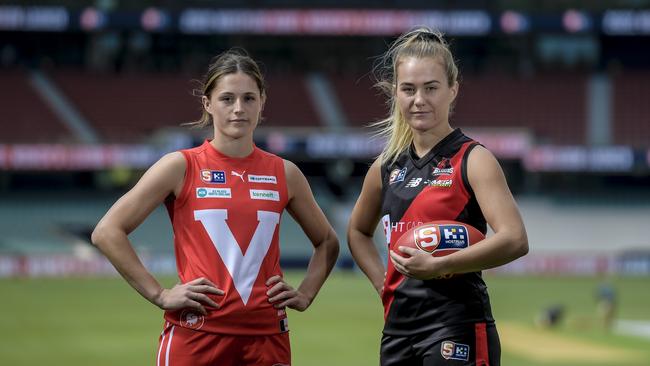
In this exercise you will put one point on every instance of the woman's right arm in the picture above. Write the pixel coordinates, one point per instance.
(361, 229)
(164, 178)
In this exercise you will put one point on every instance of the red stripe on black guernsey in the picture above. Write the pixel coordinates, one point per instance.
(481, 350)
(417, 190)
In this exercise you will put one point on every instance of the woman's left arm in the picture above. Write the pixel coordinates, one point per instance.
(508, 243)
(303, 208)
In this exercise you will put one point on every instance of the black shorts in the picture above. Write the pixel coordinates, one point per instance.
(473, 344)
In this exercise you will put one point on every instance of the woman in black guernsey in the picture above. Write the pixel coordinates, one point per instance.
(430, 171)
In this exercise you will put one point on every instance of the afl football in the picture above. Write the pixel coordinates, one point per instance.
(440, 238)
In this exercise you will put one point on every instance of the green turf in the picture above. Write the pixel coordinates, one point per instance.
(101, 321)
(520, 299)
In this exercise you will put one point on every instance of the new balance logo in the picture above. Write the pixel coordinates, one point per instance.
(414, 182)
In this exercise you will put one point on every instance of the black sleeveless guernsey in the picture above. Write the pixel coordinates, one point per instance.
(418, 190)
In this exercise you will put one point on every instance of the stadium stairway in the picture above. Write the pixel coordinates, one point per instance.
(26, 118)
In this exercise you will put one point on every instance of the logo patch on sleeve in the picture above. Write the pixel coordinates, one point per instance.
(213, 176)
(454, 351)
(263, 194)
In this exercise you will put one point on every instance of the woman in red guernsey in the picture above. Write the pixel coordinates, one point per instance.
(430, 171)
(224, 199)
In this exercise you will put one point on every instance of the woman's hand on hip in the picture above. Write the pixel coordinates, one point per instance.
(281, 295)
(193, 295)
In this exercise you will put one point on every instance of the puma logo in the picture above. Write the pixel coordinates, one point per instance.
(241, 176)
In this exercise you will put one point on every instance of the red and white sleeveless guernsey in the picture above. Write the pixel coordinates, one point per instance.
(226, 223)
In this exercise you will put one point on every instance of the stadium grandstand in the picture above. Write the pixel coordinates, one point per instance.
(94, 92)
(92, 95)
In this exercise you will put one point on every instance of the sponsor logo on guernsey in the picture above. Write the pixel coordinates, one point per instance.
(270, 179)
(213, 176)
(403, 226)
(397, 175)
(396, 226)
(443, 168)
(414, 182)
(385, 221)
(454, 351)
(284, 325)
(238, 175)
(192, 320)
(209, 192)
(263, 194)
(441, 183)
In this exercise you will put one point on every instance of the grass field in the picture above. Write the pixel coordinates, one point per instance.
(101, 321)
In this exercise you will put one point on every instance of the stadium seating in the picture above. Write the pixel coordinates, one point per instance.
(25, 116)
(289, 103)
(64, 220)
(551, 106)
(631, 110)
(127, 107)
(361, 103)
(130, 107)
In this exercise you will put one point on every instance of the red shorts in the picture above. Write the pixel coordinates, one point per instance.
(186, 347)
